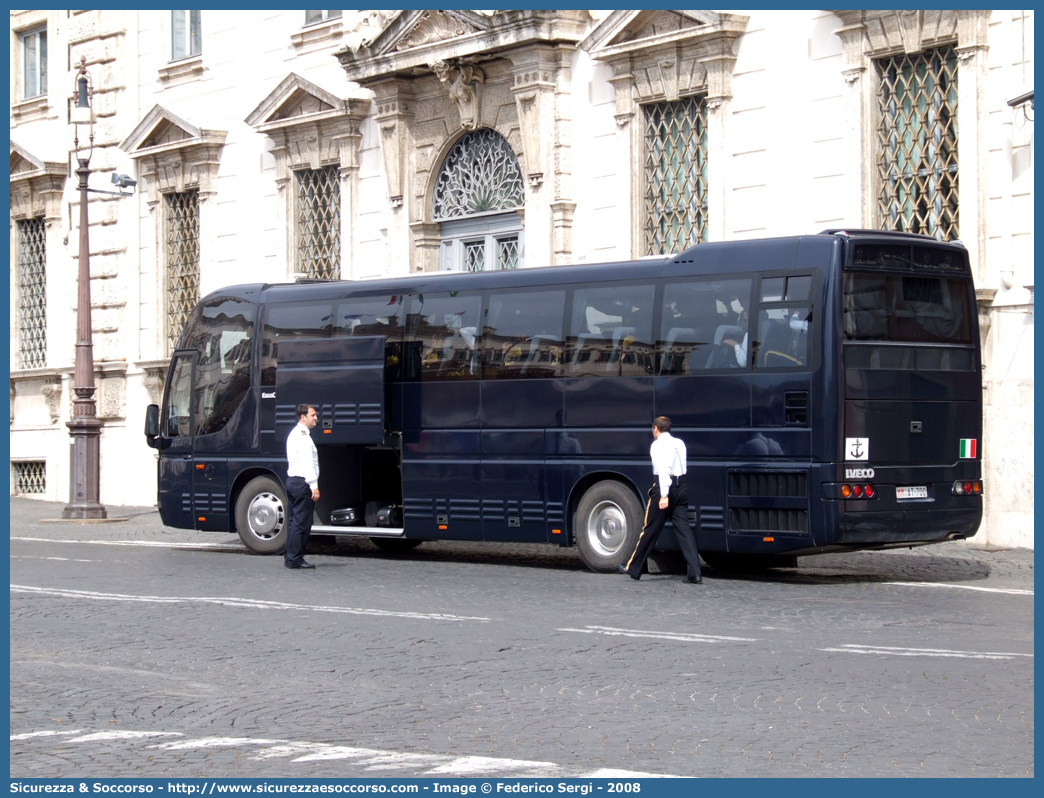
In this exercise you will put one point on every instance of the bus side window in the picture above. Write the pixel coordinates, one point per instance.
(783, 323)
(375, 315)
(442, 337)
(611, 331)
(522, 335)
(309, 320)
(700, 319)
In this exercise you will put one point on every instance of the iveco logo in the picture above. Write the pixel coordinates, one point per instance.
(859, 473)
(268, 395)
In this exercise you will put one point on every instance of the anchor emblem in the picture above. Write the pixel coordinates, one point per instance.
(857, 448)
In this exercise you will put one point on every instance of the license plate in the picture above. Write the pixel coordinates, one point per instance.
(916, 492)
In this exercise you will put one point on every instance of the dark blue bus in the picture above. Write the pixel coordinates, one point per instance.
(828, 388)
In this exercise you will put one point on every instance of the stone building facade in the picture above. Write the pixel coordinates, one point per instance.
(269, 145)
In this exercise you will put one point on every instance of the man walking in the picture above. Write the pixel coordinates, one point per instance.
(302, 486)
(667, 499)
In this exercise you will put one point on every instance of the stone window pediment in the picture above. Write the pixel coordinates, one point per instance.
(665, 55)
(174, 154)
(629, 31)
(296, 101)
(36, 185)
(413, 40)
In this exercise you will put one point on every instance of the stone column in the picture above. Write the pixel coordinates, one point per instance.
(395, 117)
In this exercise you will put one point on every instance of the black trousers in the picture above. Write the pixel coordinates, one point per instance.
(301, 509)
(678, 513)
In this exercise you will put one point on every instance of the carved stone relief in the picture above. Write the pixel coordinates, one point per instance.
(465, 90)
(52, 392)
(111, 398)
(433, 27)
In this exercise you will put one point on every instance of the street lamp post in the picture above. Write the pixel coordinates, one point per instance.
(84, 427)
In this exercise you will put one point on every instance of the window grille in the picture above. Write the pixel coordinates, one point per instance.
(917, 143)
(480, 175)
(675, 175)
(186, 34)
(182, 260)
(319, 223)
(507, 252)
(34, 63)
(32, 294)
(475, 255)
(30, 477)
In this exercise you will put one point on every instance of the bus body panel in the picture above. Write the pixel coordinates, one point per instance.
(477, 458)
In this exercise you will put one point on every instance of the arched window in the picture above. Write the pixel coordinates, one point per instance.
(477, 192)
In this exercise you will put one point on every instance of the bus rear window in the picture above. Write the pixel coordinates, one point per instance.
(907, 307)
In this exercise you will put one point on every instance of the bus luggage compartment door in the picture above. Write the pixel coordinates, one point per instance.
(343, 378)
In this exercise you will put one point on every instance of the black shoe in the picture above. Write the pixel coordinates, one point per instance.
(301, 564)
(693, 580)
(623, 570)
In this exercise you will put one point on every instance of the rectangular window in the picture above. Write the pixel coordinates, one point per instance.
(182, 239)
(32, 294)
(784, 320)
(442, 333)
(34, 63)
(313, 17)
(30, 477)
(675, 175)
(522, 335)
(917, 143)
(612, 331)
(704, 326)
(186, 34)
(881, 306)
(319, 223)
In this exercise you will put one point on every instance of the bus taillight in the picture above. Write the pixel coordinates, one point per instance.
(867, 491)
(961, 488)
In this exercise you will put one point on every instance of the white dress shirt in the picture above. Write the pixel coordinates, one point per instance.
(302, 456)
(668, 458)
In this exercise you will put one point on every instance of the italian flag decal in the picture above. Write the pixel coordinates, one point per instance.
(969, 448)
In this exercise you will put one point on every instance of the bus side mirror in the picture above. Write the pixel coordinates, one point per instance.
(152, 426)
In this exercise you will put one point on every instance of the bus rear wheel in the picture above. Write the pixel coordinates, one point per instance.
(262, 516)
(395, 545)
(606, 525)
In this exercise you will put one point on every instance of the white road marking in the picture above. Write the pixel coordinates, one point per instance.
(232, 601)
(854, 648)
(121, 735)
(160, 544)
(30, 735)
(685, 637)
(1010, 590)
(370, 759)
(61, 559)
(377, 760)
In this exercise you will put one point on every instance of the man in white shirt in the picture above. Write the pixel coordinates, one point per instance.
(302, 486)
(668, 499)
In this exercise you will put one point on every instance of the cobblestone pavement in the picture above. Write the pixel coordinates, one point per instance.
(138, 650)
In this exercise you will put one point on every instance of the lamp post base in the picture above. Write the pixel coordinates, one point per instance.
(84, 470)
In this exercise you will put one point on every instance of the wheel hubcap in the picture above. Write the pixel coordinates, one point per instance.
(607, 528)
(265, 516)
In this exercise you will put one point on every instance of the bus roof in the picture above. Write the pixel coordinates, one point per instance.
(721, 257)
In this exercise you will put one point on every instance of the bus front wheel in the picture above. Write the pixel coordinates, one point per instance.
(606, 525)
(262, 516)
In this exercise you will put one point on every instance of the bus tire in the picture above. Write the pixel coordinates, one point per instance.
(395, 545)
(606, 526)
(263, 516)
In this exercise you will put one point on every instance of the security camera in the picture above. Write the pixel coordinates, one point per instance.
(123, 181)
(1026, 97)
